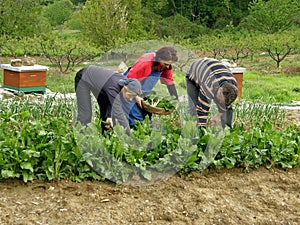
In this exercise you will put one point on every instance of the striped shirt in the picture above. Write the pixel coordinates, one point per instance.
(208, 75)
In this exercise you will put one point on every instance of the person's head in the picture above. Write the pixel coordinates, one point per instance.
(166, 56)
(131, 87)
(227, 94)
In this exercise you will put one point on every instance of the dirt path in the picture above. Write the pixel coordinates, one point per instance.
(212, 197)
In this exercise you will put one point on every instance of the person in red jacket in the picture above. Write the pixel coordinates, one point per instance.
(148, 69)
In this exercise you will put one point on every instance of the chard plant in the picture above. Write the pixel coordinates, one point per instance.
(38, 140)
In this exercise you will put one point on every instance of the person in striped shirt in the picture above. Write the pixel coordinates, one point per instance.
(208, 79)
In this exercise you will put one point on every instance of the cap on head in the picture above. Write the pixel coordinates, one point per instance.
(132, 84)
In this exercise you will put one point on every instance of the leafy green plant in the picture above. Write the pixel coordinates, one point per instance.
(259, 146)
(166, 102)
(38, 140)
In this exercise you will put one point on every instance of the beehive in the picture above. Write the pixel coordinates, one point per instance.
(24, 78)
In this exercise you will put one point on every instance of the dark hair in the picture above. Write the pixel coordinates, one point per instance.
(230, 93)
(166, 53)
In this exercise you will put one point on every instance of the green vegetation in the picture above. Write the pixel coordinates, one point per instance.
(166, 102)
(234, 30)
(271, 16)
(62, 84)
(280, 88)
(38, 139)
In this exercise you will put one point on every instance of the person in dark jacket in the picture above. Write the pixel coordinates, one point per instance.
(149, 69)
(110, 89)
(208, 79)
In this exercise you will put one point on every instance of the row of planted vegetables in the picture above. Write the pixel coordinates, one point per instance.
(38, 140)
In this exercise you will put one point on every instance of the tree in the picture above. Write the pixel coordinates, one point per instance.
(213, 14)
(235, 46)
(135, 23)
(178, 26)
(278, 46)
(21, 18)
(110, 23)
(104, 22)
(64, 52)
(58, 12)
(272, 16)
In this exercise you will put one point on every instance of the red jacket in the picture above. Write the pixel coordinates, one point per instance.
(143, 66)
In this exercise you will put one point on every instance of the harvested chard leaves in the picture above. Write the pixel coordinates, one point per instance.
(167, 102)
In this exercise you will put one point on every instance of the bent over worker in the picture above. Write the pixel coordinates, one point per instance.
(110, 89)
(208, 79)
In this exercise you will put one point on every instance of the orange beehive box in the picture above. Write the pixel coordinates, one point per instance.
(25, 78)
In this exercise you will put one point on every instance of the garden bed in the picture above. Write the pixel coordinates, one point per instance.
(215, 196)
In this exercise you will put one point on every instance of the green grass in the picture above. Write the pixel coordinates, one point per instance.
(61, 83)
(270, 88)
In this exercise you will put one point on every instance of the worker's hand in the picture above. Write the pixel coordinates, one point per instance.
(138, 100)
(109, 120)
(216, 120)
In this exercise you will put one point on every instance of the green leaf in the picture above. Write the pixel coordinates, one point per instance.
(7, 174)
(27, 166)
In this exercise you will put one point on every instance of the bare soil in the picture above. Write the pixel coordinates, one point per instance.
(293, 117)
(212, 197)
